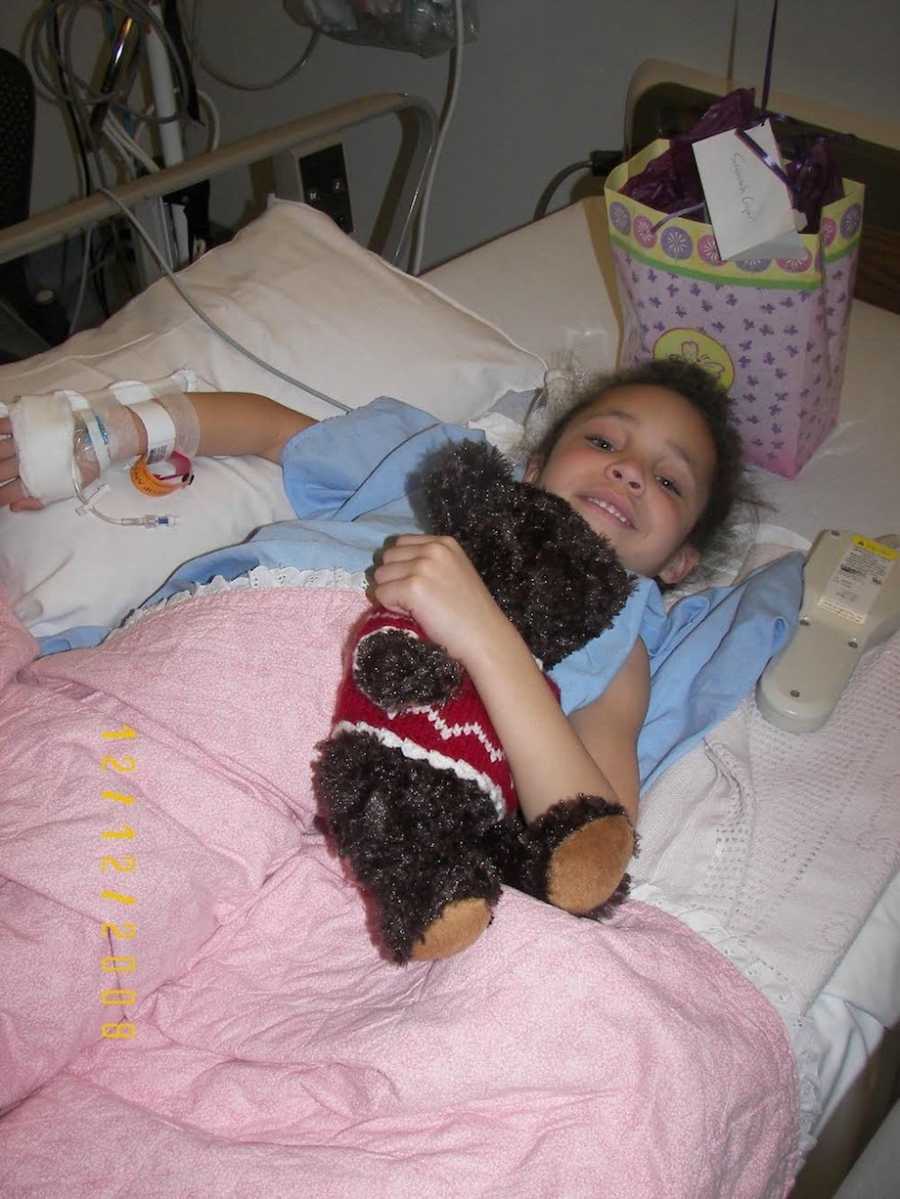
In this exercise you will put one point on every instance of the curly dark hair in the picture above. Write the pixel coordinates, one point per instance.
(729, 486)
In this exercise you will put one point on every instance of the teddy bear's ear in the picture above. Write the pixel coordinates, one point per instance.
(458, 482)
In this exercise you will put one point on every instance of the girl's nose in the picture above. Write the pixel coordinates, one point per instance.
(629, 474)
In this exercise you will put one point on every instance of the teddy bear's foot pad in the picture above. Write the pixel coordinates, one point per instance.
(458, 926)
(587, 869)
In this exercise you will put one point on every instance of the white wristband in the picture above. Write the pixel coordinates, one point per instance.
(160, 430)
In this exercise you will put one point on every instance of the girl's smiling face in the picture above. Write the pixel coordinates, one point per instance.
(637, 464)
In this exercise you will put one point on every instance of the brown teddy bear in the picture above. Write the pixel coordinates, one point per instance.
(413, 785)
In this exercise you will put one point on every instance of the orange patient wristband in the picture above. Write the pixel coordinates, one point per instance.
(153, 485)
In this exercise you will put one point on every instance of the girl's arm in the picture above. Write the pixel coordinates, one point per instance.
(230, 422)
(236, 423)
(609, 727)
(550, 757)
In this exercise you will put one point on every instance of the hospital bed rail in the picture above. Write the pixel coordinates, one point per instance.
(418, 123)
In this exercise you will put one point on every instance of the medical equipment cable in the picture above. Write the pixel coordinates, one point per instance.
(560, 177)
(53, 66)
(599, 163)
(131, 151)
(64, 91)
(70, 85)
(86, 182)
(215, 130)
(88, 495)
(217, 329)
(87, 185)
(453, 87)
(103, 182)
(193, 42)
(82, 286)
(128, 146)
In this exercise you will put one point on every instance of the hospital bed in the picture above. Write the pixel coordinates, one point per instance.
(470, 342)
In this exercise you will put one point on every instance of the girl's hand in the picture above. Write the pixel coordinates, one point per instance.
(432, 580)
(12, 494)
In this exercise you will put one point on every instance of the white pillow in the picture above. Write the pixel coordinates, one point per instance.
(300, 294)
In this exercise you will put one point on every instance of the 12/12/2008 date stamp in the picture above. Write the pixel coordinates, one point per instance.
(125, 901)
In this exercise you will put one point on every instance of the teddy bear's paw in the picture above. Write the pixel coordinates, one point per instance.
(459, 925)
(588, 867)
(398, 671)
(579, 852)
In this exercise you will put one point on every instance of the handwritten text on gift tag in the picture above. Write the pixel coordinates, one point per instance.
(749, 205)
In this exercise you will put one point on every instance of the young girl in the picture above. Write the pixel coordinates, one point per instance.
(650, 461)
(652, 464)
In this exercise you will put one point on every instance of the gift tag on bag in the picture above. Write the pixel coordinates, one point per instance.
(747, 197)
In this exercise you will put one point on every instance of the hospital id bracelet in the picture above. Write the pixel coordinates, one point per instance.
(154, 485)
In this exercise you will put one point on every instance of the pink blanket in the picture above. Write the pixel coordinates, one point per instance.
(274, 1051)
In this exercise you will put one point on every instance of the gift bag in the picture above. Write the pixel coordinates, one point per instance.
(772, 331)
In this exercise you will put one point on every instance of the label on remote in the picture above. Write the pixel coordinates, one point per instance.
(854, 587)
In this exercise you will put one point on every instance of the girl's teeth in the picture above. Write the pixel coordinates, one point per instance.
(611, 510)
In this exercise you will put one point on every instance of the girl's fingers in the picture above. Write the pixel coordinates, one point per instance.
(411, 539)
(12, 494)
(407, 585)
(419, 547)
(389, 572)
(418, 543)
(389, 590)
(394, 597)
(402, 553)
(14, 497)
(415, 562)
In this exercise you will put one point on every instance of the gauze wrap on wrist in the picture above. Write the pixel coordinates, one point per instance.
(44, 428)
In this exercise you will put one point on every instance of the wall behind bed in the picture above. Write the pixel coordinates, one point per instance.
(544, 84)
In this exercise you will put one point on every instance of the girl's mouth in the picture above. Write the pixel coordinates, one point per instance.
(609, 508)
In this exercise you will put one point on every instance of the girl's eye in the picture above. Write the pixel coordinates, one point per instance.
(668, 484)
(600, 443)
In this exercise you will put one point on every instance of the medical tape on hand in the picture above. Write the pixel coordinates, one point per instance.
(171, 393)
(140, 398)
(132, 391)
(96, 431)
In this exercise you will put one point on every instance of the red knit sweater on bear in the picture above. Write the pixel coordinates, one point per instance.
(457, 735)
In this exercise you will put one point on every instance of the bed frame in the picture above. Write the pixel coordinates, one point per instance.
(280, 145)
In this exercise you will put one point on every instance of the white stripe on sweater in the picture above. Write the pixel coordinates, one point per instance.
(411, 749)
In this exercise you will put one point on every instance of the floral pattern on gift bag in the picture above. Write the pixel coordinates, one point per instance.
(772, 331)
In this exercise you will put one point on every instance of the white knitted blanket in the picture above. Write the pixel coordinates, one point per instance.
(776, 846)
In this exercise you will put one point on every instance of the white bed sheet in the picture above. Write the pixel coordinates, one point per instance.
(545, 286)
